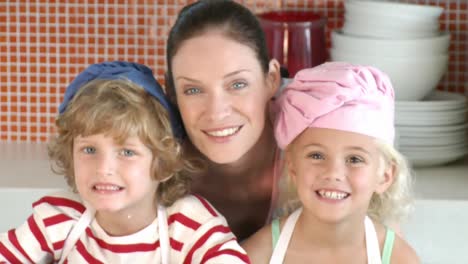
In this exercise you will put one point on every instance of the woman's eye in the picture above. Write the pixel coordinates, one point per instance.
(128, 153)
(192, 90)
(315, 155)
(239, 85)
(89, 150)
(355, 159)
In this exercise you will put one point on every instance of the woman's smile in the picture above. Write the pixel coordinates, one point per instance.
(224, 132)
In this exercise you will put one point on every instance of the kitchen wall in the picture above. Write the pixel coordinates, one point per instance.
(44, 44)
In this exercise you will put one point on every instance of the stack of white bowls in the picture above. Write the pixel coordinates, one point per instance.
(404, 41)
(432, 131)
(374, 18)
(401, 39)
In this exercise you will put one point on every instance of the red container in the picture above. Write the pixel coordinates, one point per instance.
(295, 38)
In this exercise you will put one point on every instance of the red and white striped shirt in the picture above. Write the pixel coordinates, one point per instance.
(197, 234)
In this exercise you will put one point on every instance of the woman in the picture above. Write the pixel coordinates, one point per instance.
(222, 80)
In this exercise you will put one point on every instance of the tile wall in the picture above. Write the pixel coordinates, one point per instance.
(44, 44)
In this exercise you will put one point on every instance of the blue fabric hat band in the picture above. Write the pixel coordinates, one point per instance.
(136, 73)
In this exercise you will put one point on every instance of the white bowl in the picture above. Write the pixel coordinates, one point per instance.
(397, 23)
(383, 30)
(435, 101)
(389, 28)
(390, 47)
(443, 140)
(423, 131)
(423, 159)
(397, 10)
(391, 20)
(439, 118)
(425, 150)
(412, 77)
(448, 134)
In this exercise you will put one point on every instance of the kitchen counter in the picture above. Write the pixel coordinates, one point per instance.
(26, 165)
(447, 182)
(436, 228)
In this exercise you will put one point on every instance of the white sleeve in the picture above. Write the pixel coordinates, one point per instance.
(40, 238)
(28, 243)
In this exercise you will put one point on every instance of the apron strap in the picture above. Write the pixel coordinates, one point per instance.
(163, 235)
(88, 216)
(372, 242)
(76, 232)
(282, 246)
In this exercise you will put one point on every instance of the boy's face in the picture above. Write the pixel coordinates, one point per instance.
(115, 178)
(336, 172)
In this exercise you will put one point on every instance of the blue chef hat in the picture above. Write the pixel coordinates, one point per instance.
(136, 73)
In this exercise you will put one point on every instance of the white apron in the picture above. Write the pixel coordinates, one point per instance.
(372, 242)
(88, 216)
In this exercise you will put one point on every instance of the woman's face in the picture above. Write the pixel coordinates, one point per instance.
(222, 95)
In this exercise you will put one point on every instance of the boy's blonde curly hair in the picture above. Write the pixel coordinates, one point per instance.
(121, 109)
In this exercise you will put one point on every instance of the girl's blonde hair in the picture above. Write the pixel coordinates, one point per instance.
(121, 109)
(396, 202)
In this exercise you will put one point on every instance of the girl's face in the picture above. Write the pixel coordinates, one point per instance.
(336, 172)
(222, 95)
(114, 178)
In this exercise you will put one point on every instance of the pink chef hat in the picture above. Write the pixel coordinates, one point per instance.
(340, 96)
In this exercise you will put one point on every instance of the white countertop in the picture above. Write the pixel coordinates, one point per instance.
(448, 182)
(25, 165)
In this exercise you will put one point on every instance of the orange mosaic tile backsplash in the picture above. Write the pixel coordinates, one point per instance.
(46, 43)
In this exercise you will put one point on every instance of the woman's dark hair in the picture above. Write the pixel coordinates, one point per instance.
(233, 19)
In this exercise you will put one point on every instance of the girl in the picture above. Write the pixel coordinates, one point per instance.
(130, 204)
(335, 122)
(222, 81)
